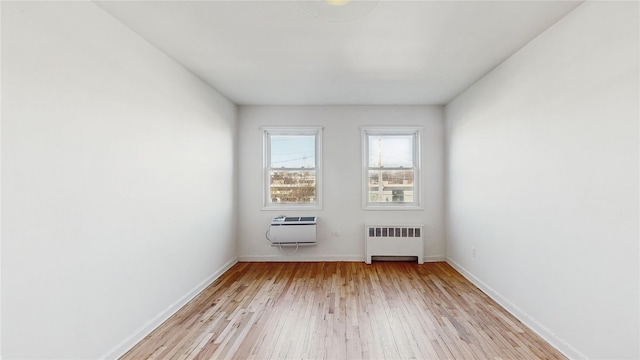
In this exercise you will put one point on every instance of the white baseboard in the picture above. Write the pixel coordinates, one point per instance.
(298, 258)
(555, 341)
(152, 324)
(322, 258)
(434, 258)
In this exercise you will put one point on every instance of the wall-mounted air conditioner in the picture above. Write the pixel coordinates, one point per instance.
(293, 230)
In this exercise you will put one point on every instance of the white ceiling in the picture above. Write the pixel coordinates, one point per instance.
(401, 52)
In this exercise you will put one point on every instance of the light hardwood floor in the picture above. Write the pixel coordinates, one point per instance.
(342, 310)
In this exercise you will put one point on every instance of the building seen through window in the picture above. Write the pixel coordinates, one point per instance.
(293, 186)
(396, 186)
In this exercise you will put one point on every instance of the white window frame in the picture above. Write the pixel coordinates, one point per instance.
(267, 132)
(416, 131)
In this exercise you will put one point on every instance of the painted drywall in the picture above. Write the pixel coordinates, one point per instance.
(543, 182)
(118, 178)
(0, 189)
(342, 211)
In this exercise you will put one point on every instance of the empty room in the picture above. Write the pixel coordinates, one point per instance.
(319, 179)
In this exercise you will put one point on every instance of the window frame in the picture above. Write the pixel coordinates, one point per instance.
(416, 132)
(267, 132)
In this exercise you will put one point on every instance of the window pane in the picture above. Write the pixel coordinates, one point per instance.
(293, 186)
(396, 186)
(293, 151)
(391, 151)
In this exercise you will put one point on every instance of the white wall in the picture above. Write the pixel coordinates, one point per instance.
(342, 206)
(543, 182)
(0, 189)
(117, 183)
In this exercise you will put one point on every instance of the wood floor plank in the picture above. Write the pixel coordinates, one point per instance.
(341, 310)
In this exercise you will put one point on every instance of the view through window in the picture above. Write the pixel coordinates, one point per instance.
(391, 170)
(292, 167)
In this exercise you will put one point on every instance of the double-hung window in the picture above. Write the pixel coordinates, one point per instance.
(292, 167)
(391, 168)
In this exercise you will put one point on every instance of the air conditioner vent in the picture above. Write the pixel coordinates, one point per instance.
(294, 220)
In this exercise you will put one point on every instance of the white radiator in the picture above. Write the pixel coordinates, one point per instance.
(293, 230)
(393, 240)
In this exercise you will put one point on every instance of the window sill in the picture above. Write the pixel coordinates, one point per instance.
(291, 207)
(393, 207)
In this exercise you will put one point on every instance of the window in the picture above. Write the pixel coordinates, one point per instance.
(292, 161)
(391, 168)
